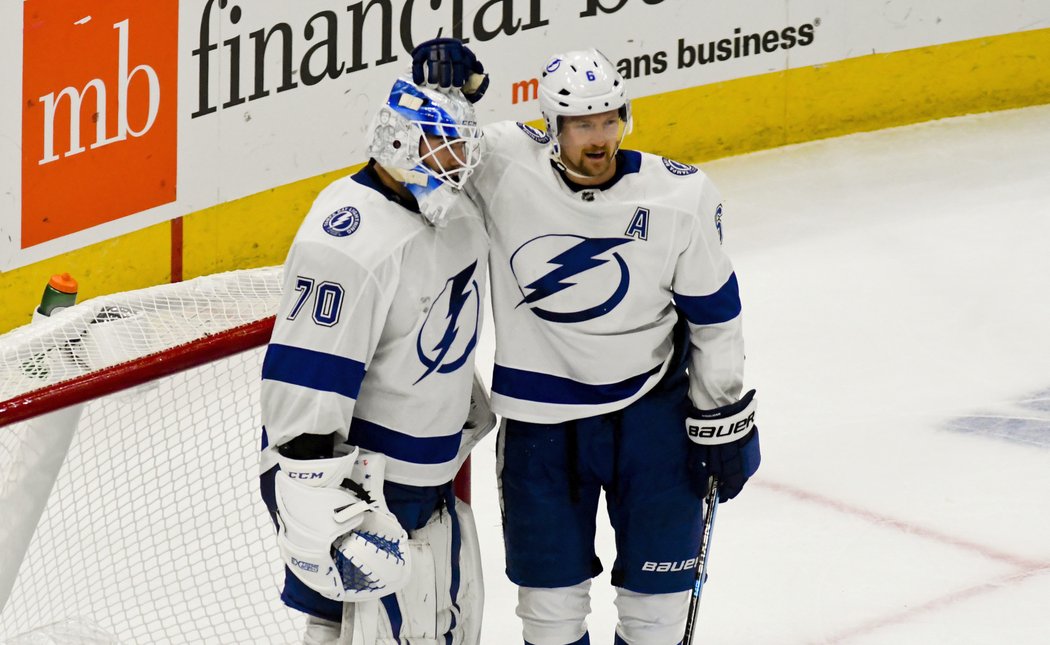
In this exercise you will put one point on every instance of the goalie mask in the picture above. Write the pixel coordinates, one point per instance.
(429, 141)
(580, 83)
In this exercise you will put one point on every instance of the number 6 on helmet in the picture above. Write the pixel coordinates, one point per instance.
(579, 83)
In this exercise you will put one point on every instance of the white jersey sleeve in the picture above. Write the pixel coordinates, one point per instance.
(326, 331)
(706, 293)
(314, 367)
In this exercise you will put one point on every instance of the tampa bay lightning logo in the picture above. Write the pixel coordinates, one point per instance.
(553, 65)
(570, 278)
(539, 136)
(718, 222)
(678, 168)
(450, 330)
(343, 222)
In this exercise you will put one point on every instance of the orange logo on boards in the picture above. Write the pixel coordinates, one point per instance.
(99, 96)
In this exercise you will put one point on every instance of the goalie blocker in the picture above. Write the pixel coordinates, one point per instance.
(336, 535)
(440, 552)
(398, 603)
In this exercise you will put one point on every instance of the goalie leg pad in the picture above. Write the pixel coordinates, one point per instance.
(471, 582)
(320, 631)
(444, 597)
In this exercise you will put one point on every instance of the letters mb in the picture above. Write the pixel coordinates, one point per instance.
(99, 139)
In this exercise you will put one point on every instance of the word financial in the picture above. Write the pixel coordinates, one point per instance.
(327, 45)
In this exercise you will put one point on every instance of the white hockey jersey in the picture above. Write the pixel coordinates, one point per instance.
(585, 282)
(374, 339)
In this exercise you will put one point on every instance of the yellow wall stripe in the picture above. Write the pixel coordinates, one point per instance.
(132, 261)
(251, 232)
(860, 94)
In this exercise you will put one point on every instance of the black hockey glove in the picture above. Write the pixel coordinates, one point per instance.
(446, 63)
(723, 443)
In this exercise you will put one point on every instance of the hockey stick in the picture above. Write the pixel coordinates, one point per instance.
(701, 565)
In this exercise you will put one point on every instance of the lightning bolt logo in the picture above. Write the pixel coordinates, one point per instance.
(343, 222)
(574, 261)
(459, 289)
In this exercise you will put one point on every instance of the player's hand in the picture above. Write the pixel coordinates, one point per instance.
(724, 443)
(448, 63)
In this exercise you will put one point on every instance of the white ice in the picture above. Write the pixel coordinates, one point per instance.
(896, 290)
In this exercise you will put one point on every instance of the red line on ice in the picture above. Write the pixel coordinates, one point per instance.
(1026, 568)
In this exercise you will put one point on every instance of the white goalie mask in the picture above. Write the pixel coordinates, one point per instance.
(579, 83)
(413, 131)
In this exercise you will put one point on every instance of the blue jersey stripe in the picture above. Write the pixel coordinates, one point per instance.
(718, 307)
(312, 369)
(398, 445)
(393, 613)
(547, 388)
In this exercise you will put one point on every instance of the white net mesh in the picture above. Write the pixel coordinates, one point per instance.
(154, 531)
(112, 329)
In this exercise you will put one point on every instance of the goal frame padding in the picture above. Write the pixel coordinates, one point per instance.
(139, 371)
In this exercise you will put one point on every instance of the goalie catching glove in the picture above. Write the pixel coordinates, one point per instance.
(335, 532)
(724, 444)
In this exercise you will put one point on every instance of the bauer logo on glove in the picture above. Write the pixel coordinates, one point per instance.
(336, 534)
(724, 425)
(726, 430)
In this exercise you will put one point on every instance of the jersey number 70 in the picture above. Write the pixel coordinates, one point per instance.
(327, 297)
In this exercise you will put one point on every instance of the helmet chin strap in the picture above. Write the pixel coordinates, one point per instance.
(407, 176)
(556, 158)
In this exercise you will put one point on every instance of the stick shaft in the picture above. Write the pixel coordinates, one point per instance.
(711, 504)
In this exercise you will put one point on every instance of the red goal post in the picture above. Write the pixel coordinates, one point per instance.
(129, 440)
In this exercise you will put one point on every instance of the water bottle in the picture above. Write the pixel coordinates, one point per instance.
(60, 292)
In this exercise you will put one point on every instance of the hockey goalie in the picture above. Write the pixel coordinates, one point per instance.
(370, 403)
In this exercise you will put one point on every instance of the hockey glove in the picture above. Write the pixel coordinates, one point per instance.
(335, 533)
(724, 443)
(447, 63)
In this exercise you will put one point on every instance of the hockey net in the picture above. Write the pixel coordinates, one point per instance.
(151, 528)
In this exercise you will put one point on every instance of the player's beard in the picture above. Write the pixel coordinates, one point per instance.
(591, 166)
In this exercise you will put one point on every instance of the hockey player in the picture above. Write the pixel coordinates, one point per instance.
(369, 374)
(619, 352)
